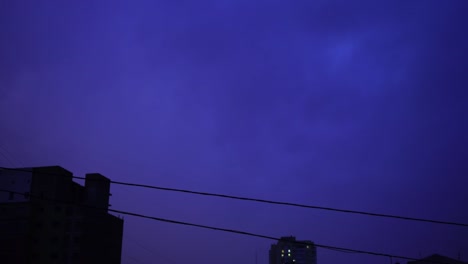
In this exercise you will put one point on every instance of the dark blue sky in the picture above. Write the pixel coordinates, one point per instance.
(350, 104)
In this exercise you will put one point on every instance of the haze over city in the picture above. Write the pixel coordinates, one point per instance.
(358, 105)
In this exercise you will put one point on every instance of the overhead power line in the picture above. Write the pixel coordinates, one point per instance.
(271, 201)
(7, 154)
(4, 153)
(334, 248)
(151, 251)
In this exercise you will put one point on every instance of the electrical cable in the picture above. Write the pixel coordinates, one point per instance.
(152, 252)
(334, 248)
(269, 201)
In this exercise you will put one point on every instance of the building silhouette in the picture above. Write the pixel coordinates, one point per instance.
(288, 250)
(46, 217)
(436, 258)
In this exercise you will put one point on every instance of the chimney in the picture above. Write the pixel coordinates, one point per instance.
(97, 189)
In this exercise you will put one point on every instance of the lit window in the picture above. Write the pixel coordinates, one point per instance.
(282, 255)
(289, 250)
(307, 246)
(289, 254)
(294, 260)
(282, 251)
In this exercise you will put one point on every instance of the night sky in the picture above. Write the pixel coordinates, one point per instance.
(359, 105)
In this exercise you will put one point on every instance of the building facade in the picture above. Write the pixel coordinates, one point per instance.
(288, 250)
(46, 217)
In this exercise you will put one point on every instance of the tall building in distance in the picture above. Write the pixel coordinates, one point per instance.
(46, 217)
(288, 250)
